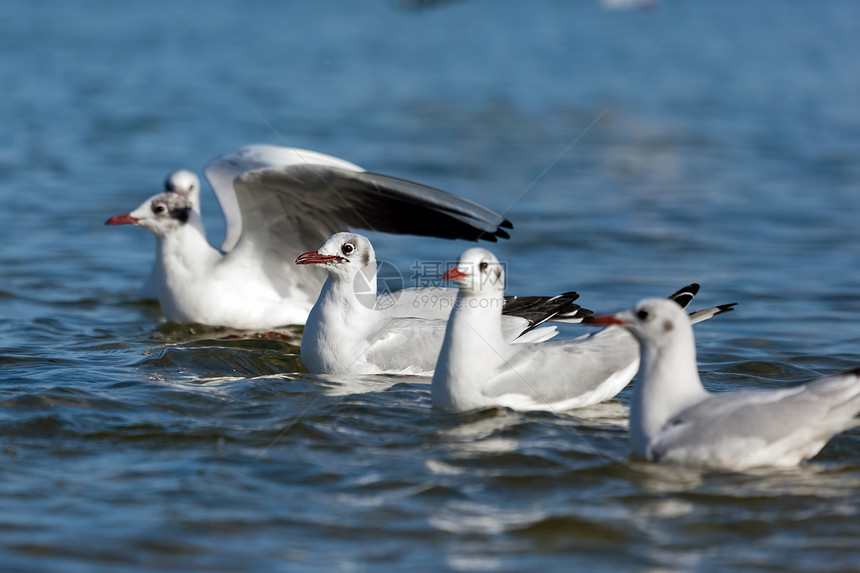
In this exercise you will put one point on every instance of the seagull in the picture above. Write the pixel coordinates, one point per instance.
(278, 200)
(347, 333)
(674, 419)
(479, 368)
(186, 183)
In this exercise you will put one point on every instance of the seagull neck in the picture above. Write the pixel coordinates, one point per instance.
(338, 328)
(196, 221)
(668, 383)
(339, 304)
(480, 316)
(185, 249)
(472, 349)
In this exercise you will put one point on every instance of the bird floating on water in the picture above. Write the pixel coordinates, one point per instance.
(277, 202)
(674, 419)
(479, 368)
(347, 333)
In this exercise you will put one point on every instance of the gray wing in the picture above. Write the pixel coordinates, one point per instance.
(419, 302)
(411, 345)
(286, 210)
(555, 371)
(735, 422)
(222, 171)
(321, 200)
(437, 302)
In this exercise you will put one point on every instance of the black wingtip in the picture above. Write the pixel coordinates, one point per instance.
(538, 309)
(566, 311)
(692, 288)
(391, 205)
(571, 295)
(684, 296)
(584, 313)
(492, 236)
(721, 308)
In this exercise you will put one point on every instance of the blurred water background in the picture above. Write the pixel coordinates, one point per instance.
(634, 150)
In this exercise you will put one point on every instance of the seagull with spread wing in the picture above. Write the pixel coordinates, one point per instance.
(278, 201)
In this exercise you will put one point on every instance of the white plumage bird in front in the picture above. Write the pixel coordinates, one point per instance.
(347, 333)
(479, 368)
(674, 419)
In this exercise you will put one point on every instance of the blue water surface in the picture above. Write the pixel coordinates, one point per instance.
(635, 151)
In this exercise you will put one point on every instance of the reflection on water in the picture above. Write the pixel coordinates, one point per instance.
(481, 436)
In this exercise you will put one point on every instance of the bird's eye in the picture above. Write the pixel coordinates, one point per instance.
(642, 314)
(347, 248)
(158, 208)
(192, 187)
(483, 266)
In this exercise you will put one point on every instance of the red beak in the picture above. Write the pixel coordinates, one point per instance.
(453, 274)
(603, 320)
(125, 219)
(314, 258)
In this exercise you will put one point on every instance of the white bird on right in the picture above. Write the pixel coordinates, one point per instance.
(674, 419)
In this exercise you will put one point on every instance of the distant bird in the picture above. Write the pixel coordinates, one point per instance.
(347, 333)
(610, 4)
(479, 368)
(674, 419)
(279, 201)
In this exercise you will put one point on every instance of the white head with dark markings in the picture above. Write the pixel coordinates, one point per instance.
(161, 214)
(342, 255)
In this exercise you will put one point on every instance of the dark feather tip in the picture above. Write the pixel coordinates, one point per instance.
(725, 308)
(684, 296)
